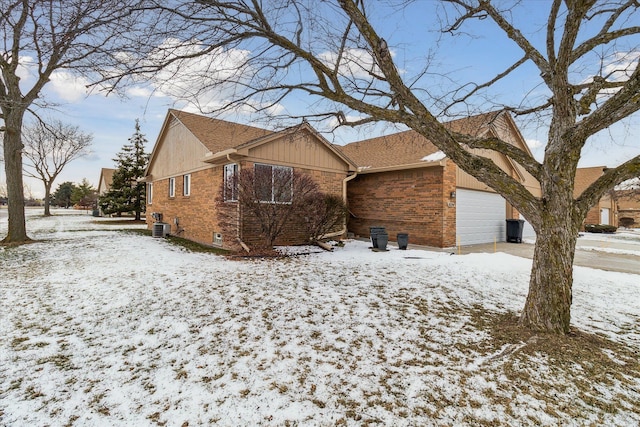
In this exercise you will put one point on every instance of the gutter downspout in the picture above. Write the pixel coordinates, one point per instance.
(238, 223)
(344, 199)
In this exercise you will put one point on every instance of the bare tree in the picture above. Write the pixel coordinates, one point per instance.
(40, 37)
(323, 214)
(587, 68)
(271, 199)
(48, 148)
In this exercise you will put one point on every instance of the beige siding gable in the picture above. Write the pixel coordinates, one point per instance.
(504, 128)
(300, 149)
(464, 180)
(177, 152)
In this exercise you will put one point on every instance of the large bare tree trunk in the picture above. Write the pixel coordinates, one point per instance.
(548, 305)
(17, 230)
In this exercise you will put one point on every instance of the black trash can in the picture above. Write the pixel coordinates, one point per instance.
(382, 240)
(403, 240)
(514, 230)
(373, 235)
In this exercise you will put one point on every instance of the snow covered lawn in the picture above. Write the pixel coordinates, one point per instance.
(104, 327)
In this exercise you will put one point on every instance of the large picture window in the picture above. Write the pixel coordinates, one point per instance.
(273, 183)
(231, 182)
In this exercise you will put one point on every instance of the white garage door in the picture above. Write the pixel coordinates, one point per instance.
(480, 217)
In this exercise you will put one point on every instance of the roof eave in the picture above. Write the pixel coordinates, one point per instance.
(223, 156)
(436, 163)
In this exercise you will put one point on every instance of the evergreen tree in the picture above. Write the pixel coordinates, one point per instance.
(62, 196)
(126, 193)
(84, 195)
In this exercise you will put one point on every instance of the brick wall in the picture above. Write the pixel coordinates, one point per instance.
(199, 213)
(414, 201)
(593, 216)
(196, 213)
(629, 218)
(293, 234)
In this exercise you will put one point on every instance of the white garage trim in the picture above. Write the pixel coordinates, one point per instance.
(604, 216)
(480, 217)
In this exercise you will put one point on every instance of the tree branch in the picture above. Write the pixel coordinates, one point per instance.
(611, 177)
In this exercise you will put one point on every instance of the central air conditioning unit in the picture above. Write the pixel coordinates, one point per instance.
(161, 229)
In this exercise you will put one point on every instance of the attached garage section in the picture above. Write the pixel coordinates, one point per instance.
(528, 232)
(480, 217)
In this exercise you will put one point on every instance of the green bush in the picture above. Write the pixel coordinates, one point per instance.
(600, 228)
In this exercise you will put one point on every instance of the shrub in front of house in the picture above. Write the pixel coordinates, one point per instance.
(600, 228)
(627, 222)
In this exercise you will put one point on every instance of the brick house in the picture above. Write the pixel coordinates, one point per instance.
(605, 211)
(195, 155)
(628, 206)
(407, 185)
(399, 181)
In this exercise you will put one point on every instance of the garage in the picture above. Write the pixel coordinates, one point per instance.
(528, 232)
(480, 217)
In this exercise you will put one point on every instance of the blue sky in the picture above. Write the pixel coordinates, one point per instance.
(411, 35)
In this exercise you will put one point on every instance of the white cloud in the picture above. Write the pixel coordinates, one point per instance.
(201, 81)
(622, 65)
(354, 63)
(618, 68)
(25, 65)
(139, 91)
(69, 87)
(534, 144)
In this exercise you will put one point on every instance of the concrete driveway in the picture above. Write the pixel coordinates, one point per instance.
(590, 252)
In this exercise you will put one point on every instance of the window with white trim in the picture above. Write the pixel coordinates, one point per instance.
(172, 187)
(149, 193)
(186, 185)
(273, 183)
(230, 182)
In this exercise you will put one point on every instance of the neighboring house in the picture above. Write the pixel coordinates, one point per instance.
(401, 182)
(194, 155)
(407, 185)
(628, 207)
(104, 184)
(106, 178)
(605, 211)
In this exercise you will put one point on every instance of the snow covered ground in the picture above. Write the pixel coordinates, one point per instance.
(103, 327)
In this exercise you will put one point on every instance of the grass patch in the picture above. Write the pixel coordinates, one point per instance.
(119, 221)
(189, 245)
(138, 231)
(194, 246)
(580, 362)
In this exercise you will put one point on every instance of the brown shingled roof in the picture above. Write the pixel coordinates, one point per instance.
(409, 147)
(218, 135)
(402, 148)
(585, 177)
